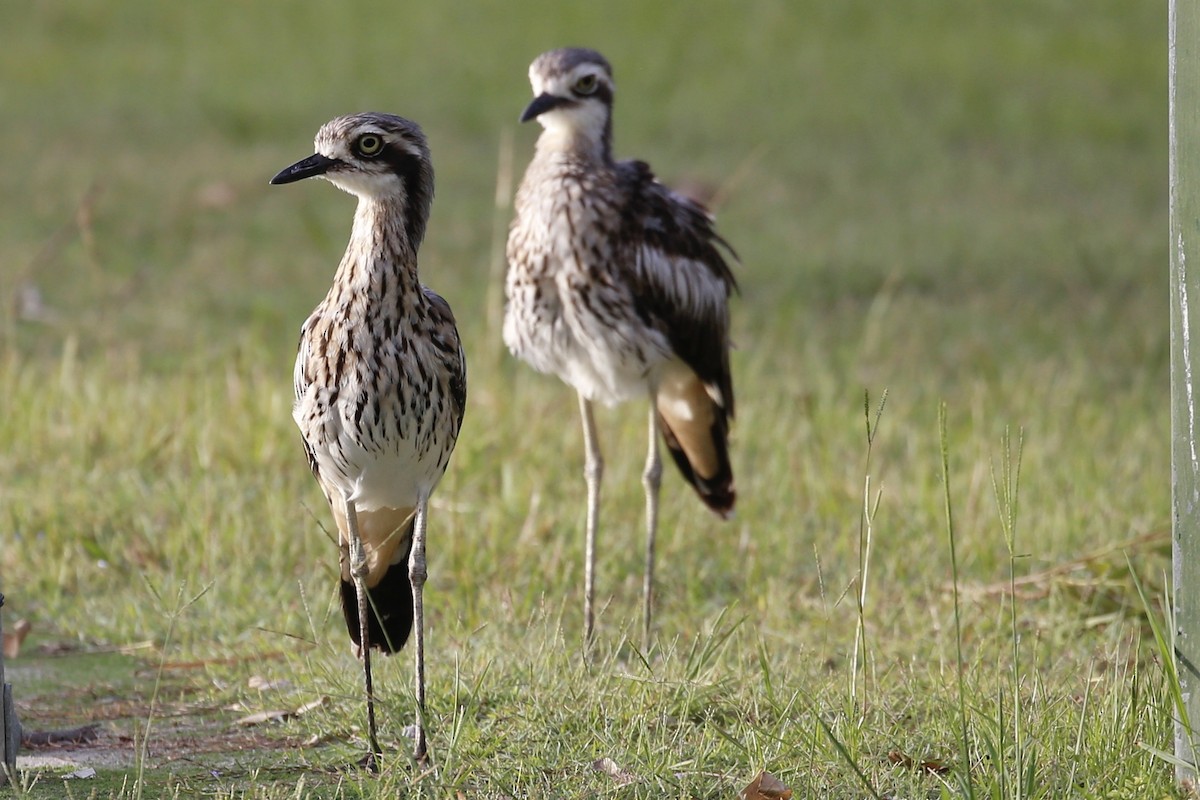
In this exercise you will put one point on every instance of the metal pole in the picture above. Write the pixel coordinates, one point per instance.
(7, 765)
(1184, 177)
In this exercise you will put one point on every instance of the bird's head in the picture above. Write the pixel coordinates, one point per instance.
(375, 157)
(572, 94)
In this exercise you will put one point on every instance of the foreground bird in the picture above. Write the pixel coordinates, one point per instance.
(380, 387)
(619, 287)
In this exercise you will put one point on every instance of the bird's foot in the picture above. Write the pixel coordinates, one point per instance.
(371, 762)
(421, 753)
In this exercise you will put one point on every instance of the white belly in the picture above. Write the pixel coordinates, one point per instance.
(606, 359)
(394, 474)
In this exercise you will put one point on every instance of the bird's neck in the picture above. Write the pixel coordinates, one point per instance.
(380, 263)
(591, 143)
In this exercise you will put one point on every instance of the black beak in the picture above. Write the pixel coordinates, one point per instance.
(541, 104)
(309, 167)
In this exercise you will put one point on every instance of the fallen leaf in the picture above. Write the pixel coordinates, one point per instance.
(259, 717)
(311, 705)
(930, 765)
(13, 638)
(766, 786)
(317, 739)
(86, 772)
(262, 684)
(610, 768)
(278, 715)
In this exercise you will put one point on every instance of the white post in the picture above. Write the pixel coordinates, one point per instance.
(8, 722)
(1184, 175)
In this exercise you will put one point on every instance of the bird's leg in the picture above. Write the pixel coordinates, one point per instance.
(651, 480)
(593, 470)
(416, 576)
(358, 573)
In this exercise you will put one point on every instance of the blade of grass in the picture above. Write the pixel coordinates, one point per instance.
(960, 668)
(866, 522)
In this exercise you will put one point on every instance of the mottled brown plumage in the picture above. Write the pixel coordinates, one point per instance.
(380, 385)
(620, 287)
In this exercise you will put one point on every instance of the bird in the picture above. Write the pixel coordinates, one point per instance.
(380, 382)
(620, 287)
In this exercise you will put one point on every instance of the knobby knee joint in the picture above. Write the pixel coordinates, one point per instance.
(417, 573)
(357, 559)
(652, 476)
(593, 469)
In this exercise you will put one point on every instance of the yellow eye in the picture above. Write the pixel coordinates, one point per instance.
(369, 145)
(586, 85)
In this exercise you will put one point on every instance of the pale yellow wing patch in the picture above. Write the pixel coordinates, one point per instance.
(383, 532)
(689, 411)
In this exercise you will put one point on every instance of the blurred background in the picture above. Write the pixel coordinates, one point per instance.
(934, 156)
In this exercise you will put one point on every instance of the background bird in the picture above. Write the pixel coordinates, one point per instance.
(619, 287)
(380, 385)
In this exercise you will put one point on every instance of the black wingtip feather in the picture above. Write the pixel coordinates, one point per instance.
(390, 609)
(717, 492)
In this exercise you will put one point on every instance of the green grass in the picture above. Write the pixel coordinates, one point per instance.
(954, 204)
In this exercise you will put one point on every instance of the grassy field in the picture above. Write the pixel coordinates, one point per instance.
(958, 205)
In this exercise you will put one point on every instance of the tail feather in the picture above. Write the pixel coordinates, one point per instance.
(717, 491)
(389, 604)
(694, 421)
